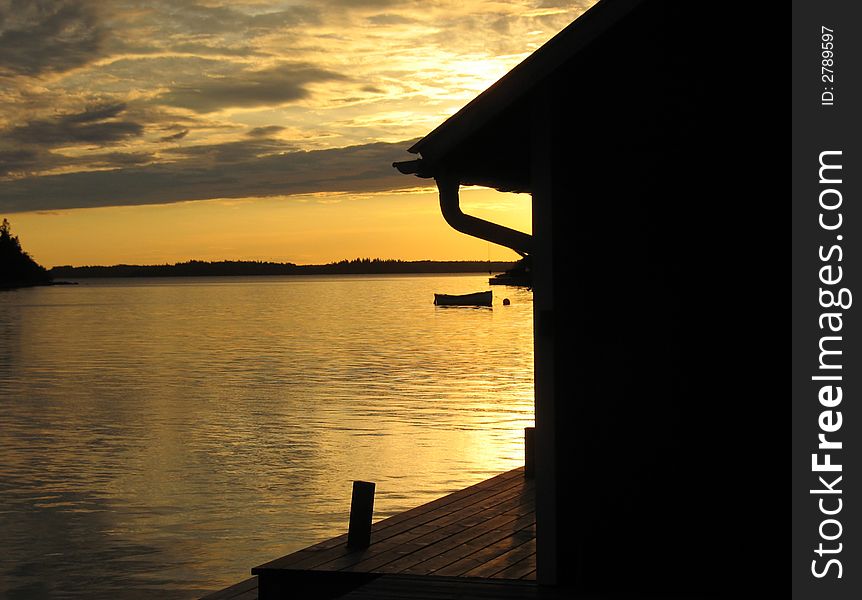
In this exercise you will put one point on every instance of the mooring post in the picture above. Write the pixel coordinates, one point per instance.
(361, 509)
(529, 451)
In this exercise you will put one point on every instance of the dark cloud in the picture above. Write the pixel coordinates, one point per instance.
(193, 18)
(242, 151)
(269, 87)
(28, 162)
(41, 36)
(582, 4)
(175, 136)
(218, 50)
(14, 162)
(291, 17)
(95, 125)
(199, 19)
(365, 3)
(267, 131)
(390, 19)
(502, 25)
(237, 171)
(116, 159)
(96, 113)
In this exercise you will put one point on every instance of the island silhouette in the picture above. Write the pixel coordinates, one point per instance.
(357, 266)
(17, 268)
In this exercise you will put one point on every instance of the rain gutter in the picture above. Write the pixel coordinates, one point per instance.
(448, 186)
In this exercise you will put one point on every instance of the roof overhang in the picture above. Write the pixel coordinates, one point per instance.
(487, 141)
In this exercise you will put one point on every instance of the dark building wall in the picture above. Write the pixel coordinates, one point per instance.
(654, 242)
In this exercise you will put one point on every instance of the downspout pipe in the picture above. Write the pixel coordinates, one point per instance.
(448, 187)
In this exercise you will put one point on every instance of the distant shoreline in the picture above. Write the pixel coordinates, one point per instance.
(234, 268)
(16, 285)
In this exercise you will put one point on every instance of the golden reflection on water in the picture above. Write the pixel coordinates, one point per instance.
(164, 436)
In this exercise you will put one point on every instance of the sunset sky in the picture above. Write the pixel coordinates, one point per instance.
(169, 130)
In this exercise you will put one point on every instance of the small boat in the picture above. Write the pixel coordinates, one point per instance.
(474, 299)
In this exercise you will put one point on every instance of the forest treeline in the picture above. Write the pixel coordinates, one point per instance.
(357, 266)
(17, 268)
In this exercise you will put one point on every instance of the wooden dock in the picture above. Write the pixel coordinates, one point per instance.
(477, 542)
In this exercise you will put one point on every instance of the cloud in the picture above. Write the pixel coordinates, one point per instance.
(390, 19)
(268, 87)
(267, 131)
(243, 151)
(237, 170)
(566, 4)
(13, 162)
(360, 4)
(214, 50)
(95, 125)
(96, 113)
(42, 36)
(29, 162)
(210, 19)
(175, 136)
(113, 160)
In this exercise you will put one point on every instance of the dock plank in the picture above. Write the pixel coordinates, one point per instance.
(461, 545)
(244, 590)
(450, 502)
(520, 570)
(480, 540)
(495, 557)
(436, 532)
(411, 587)
(458, 506)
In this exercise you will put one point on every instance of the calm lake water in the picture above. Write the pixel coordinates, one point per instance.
(160, 437)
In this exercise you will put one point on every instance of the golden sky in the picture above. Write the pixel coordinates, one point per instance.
(169, 130)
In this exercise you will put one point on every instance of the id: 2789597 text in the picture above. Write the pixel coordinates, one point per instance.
(827, 66)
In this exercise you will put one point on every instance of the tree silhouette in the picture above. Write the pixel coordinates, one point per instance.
(17, 268)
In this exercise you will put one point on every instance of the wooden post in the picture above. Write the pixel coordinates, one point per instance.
(544, 345)
(529, 452)
(361, 509)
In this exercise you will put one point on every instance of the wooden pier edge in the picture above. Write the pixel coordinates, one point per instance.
(244, 590)
(417, 587)
(482, 533)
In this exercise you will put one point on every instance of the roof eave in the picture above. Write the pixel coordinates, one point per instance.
(524, 77)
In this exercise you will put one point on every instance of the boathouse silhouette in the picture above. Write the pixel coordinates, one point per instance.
(619, 128)
(655, 462)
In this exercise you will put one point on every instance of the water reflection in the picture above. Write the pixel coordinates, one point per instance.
(158, 438)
